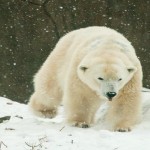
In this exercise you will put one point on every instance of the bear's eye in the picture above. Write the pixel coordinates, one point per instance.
(83, 68)
(120, 79)
(100, 78)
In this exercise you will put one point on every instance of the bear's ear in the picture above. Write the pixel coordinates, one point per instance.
(131, 69)
(83, 68)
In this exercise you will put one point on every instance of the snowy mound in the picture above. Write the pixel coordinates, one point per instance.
(23, 131)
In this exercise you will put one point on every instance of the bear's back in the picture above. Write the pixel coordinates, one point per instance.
(91, 37)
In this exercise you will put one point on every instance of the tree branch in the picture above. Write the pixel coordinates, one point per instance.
(51, 18)
(44, 6)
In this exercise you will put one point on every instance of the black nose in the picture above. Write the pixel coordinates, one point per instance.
(110, 95)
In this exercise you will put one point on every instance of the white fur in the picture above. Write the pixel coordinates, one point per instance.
(71, 74)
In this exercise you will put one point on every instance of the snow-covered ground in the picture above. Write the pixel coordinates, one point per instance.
(26, 132)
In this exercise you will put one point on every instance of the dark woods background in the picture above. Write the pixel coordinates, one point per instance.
(31, 28)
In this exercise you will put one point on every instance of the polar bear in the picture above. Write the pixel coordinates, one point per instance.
(87, 67)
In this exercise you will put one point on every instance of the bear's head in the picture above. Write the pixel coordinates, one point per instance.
(106, 74)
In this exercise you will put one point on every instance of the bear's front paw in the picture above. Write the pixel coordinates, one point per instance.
(80, 124)
(123, 126)
(122, 129)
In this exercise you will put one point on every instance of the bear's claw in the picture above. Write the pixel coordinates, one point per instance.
(81, 125)
(46, 113)
(49, 113)
(123, 129)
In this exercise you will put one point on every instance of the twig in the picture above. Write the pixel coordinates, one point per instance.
(9, 129)
(19, 117)
(62, 128)
(39, 144)
(71, 141)
(2, 143)
(43, 139)
(33, 146)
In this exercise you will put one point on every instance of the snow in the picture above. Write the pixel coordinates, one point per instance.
(24, 131)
